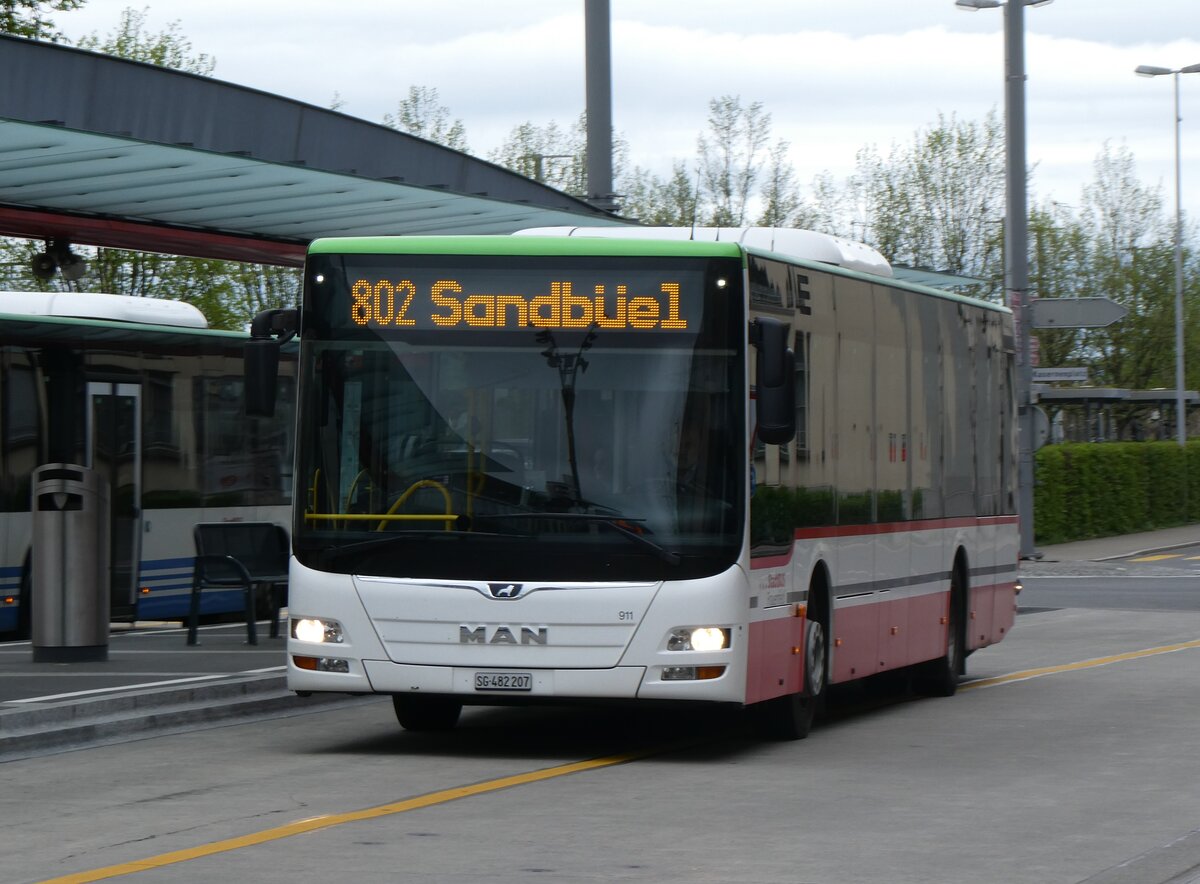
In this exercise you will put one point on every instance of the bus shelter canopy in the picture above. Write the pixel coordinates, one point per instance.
(98, 150)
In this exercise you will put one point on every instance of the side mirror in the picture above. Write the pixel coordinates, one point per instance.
(775, 368)
(270, 330)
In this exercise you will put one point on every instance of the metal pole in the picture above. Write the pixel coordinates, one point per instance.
(1180, 410)
(599, 105)
(1017, 254)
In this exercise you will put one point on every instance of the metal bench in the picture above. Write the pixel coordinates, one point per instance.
(246, 555)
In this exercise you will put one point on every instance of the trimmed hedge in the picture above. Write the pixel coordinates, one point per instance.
(1097, 489)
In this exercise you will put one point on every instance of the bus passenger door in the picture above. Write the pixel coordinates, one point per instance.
(114, 422)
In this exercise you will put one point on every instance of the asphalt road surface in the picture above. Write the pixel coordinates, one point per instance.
(1071, 755)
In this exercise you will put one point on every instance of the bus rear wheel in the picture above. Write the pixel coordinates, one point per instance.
(418, 713)
(939, 678)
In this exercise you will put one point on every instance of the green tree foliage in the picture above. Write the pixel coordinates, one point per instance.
(201, 282)
(1058, 254)
(937, 201)
(30, 18)
(1129, 262)
(132, 40)
(422, 114)
(1119, 245)
(257, 287)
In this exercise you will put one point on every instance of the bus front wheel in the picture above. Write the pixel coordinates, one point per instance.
(791, 717)
(418, 713)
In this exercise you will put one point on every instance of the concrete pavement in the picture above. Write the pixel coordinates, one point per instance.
(152, 681)
(1107, 548)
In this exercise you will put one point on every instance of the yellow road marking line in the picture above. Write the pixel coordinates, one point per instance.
(1157, 558)
(1075, 667)
(328, 821)
(337, 819)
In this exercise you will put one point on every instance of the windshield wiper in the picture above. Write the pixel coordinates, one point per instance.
(612, 521)
(334, 554)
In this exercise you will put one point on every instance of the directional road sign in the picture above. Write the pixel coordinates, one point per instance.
(1076, 312)
(1052, 375)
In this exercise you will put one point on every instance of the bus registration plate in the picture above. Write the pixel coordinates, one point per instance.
(503, 681)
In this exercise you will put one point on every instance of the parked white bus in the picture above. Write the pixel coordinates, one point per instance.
(142, 391)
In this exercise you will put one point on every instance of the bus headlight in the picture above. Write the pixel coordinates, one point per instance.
(320, 631)
(702, 638)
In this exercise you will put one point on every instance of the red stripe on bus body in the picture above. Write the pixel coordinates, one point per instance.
(902, 527)
(836, 531)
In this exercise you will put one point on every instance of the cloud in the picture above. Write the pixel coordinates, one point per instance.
(835, 77)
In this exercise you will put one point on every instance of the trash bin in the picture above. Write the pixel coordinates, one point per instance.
(69, 593)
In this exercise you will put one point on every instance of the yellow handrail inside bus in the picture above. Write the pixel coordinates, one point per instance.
(381, 518)
(476, 478)
(413, 489)
(391, 515)
(353, 486)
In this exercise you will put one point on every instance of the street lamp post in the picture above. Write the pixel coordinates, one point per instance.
(1146, 70)
(1016, 242)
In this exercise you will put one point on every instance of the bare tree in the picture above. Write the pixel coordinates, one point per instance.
(659, 203)
(937, 201)
(554, 155)
(782, 204)
(549, 154)
(729, 157)
(422, 114)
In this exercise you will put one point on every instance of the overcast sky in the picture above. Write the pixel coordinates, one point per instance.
(835, 75)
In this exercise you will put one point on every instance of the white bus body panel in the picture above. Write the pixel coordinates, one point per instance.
(890, 586)
(806, 245)
(95, 305)
(577, 639)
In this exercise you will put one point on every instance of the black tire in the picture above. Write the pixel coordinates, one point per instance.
(791, 717)
(939, 678)
(418, 713)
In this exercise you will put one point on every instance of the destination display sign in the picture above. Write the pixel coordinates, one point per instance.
(639, 301)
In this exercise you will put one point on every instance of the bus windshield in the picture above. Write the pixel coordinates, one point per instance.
(500, 418)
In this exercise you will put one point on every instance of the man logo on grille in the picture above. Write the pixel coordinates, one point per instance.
(505, 590)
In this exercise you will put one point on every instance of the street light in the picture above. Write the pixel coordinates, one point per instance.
(976, 5)
(1016, 242)
(1146, 70)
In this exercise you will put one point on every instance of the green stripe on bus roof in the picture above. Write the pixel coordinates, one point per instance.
(554, 246)
(523, 246)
